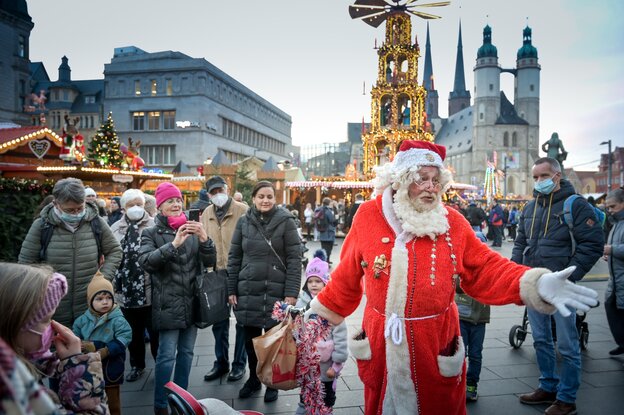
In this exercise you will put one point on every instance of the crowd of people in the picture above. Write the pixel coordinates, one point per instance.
(91, 284)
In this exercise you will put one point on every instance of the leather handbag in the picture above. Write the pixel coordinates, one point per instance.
(211, 299)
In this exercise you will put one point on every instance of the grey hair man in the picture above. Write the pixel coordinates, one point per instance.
(72, 238)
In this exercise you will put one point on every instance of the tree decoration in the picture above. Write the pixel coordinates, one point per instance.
(104, 148)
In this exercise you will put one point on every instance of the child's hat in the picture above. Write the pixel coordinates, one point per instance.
(97, 285)
(317, 267)
(57, 288)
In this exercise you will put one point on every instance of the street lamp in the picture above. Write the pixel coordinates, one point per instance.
(505, 175)
(610, 162)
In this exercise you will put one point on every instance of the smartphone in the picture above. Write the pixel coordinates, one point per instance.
(194, 215)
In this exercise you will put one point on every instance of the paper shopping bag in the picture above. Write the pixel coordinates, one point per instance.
(277, 356)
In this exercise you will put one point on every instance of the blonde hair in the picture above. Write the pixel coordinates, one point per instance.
(22, 291)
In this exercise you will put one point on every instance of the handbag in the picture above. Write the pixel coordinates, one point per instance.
(211, 299)
(277, 356)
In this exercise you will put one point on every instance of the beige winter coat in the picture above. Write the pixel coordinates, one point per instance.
(221, 233)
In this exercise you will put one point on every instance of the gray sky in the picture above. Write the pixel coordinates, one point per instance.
(310, 58)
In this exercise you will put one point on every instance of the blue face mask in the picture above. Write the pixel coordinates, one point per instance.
(70, 218)
(545, 187)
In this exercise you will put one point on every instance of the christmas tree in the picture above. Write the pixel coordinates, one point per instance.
(104, 147)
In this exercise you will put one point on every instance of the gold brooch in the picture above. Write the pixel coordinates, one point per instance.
(380, 265)
(429, 158)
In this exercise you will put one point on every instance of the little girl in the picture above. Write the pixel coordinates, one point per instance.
(333, 351)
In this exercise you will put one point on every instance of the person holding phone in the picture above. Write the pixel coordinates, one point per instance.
(29, 296)
(173, 252)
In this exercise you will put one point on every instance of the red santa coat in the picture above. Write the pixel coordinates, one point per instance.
(425, 372)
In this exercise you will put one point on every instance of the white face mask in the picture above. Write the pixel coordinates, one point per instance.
(220, 199)
(135, 212)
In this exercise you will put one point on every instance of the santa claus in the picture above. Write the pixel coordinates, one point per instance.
(410, 250)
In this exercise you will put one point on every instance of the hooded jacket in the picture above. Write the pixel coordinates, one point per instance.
(73, 254)
(616, 261)
(544, 240)
(221, 231)
(174, 273)
(255, 273)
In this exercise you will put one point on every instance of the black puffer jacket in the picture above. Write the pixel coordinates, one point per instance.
(174, 273)
(255, 274)
(543, 238)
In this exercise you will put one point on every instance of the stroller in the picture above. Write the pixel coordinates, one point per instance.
(518, 333)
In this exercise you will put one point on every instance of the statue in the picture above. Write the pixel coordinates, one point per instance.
(552, 149)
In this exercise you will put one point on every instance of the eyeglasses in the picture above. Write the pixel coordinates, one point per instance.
(432, 183)
(70, 211)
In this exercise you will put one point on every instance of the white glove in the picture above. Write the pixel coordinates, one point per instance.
(309, 313)
(554, 288)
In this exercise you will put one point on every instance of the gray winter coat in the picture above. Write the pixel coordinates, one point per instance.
(73, 254)
(616, 260)
(255, 274)
(174, 273)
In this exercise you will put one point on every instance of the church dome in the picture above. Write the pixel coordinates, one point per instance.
(527, 50)
(16, 8)
(487, 50)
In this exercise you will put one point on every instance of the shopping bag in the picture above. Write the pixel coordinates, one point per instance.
(211, 299)
(277, 356)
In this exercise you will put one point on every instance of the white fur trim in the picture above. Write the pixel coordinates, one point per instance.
(326, 313)
(529, 294)
(416, 157)
(388, 212)
(452, 365)
(360, 349)
(400, 396)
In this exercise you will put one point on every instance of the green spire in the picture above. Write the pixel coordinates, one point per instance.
(487, 50)
(527, 50)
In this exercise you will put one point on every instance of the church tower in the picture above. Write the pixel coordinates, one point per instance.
(487, 93)
(527, 86)
(397, 100)
(431, 102)
(459, 97)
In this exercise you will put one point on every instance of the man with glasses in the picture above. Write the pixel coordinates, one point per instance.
(408, 250)
(65, 237)
(545, 240)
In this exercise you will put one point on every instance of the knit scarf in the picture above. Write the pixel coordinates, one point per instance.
(130, 278)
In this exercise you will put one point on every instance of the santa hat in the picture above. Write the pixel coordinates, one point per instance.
(412, 155)
(97, 285)
(57, 288)
(318, 267)
(166, 191)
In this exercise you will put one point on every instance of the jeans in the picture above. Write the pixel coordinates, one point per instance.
(172, 341)
(497, 232)
(473, 335)
(139, 320)
(221, 332)
(567, 382)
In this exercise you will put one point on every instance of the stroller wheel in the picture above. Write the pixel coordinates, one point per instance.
(584, 336)
(516, 336)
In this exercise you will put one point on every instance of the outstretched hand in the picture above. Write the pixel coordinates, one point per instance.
(554, 288)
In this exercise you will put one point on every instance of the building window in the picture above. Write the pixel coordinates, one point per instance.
(21, 46)
(137, 88)
(158, 155)
(506, 139)
(154, 87)
(56, 95)
(65, 96)
(169, 87)
(532, 87)
(491, 87)
(138, 121)
(169, 120)
(153, 120)
(514, 139)
(91, 121)
(90, 99)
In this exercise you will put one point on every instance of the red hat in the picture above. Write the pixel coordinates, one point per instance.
(423, 145)
(414, 154)
(166, 191)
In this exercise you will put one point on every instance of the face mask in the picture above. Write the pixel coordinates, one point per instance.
(220, 199)
(46, 341)
(544, 187)
(68, 217)
(135, 212)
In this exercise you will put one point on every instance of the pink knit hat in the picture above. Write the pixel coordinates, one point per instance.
(57, 288)
(166, 191)
(317, 268)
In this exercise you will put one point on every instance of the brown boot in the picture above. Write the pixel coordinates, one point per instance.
(161, 411)
(114, 400)
(538, 396)
(561, 408)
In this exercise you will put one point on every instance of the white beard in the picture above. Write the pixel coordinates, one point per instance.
(418, 218)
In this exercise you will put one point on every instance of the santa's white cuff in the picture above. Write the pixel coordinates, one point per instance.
(529, 294)
(326, 313)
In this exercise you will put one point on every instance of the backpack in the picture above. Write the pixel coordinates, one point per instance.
(320, 219)
(46, 236)
(568, 218)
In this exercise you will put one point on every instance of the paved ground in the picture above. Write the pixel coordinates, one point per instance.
(506, 372)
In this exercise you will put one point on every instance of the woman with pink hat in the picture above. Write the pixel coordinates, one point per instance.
(173, 252)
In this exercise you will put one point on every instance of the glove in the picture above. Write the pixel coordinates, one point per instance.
(309, 314)
(87, 347)
(554, 288)
(103, 353)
